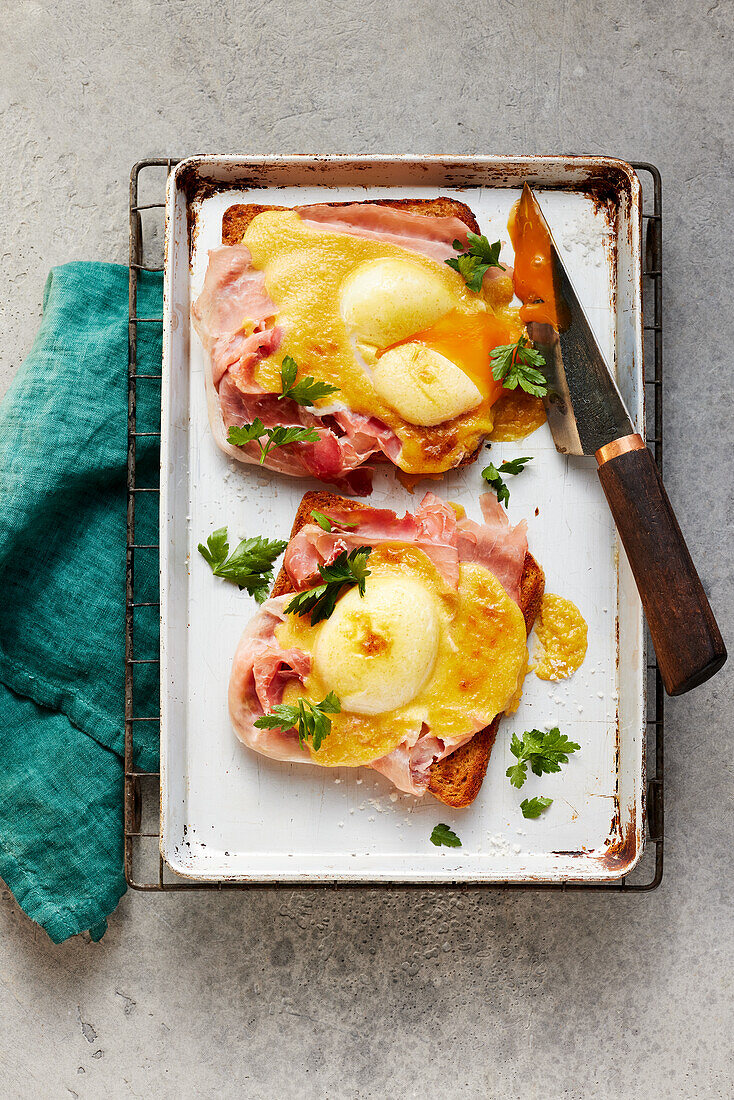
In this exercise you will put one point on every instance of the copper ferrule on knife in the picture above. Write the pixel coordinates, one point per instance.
(633, 442)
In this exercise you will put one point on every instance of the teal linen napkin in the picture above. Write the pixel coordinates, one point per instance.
(63, 446)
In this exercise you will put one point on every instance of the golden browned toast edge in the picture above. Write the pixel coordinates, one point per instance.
(236, 219)
(457, 778)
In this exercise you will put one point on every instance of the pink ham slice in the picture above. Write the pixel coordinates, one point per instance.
(261, 668)
(234, 293)
(260, 671)
(233, 299)
(434, 528)
(496, 545)
(431, 236)
(409, 767)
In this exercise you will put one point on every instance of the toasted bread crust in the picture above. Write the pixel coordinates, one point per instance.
(457, 778)
(236, 219)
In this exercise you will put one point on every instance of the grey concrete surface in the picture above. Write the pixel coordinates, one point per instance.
(308, 994)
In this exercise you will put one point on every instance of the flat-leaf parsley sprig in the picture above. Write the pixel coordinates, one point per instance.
(442, 834)
(307, 391)
(311, 720)
(516, 365)
(345, 570)
(533, 807)
(250, 563)
(545, 752)
(477, 256)
(493, 476)
(279, 436)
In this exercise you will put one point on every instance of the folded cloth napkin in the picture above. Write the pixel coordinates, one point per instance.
(63, 447)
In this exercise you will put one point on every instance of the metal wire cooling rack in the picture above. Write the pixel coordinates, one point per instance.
(144, 868)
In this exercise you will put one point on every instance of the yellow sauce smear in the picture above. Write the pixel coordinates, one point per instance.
(481, 656)
(516, 415)
(563, 636)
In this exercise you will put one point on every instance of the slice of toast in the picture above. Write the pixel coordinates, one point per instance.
(236, 219)
(457, 778)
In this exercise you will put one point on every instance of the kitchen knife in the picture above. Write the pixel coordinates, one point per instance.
(587, 416)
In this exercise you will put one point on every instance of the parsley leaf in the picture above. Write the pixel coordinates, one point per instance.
(545, 752)
(443, 835)
(328, 524)
(322, 520)
(249, 565)
(310, 719)
(533, 807)
(238, 437)
(493, 476)
(476, 258)
(515, 465)
(217, 547)
(278, 436)
(346, 569)
(515, 365)
(494, 479)
(305, 392)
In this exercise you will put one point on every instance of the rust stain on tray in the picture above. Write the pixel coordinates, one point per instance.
(622, 851)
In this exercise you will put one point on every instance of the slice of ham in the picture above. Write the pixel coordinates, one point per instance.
(233, 302)
(260, 671)
(424, 233)
(434, 529)
(261, 667)
(494, 544)
(233, 316)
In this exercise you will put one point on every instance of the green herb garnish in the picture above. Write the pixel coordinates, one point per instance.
(493, 476)
(443, 835)
(278, 436)
(516, 365)
(476, 258)
(307, 391)
(345, 570)
(249, 565)
(310, 719)
(533, 807)
(328, 524)
(545, 752)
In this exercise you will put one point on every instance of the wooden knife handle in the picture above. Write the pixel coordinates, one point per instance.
(685, 634)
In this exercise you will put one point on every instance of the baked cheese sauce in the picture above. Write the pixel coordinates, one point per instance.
(516, 415)
(306, 271)
(480, 656)
(562, 633)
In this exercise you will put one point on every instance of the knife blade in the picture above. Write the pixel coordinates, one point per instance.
(587, 416)
(584, 407)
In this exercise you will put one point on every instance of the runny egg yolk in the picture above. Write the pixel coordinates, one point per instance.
(467, 339)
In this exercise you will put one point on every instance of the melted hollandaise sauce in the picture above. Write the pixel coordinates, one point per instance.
(562, 633)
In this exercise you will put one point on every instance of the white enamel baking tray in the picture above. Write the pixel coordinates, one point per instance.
(229, 814)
